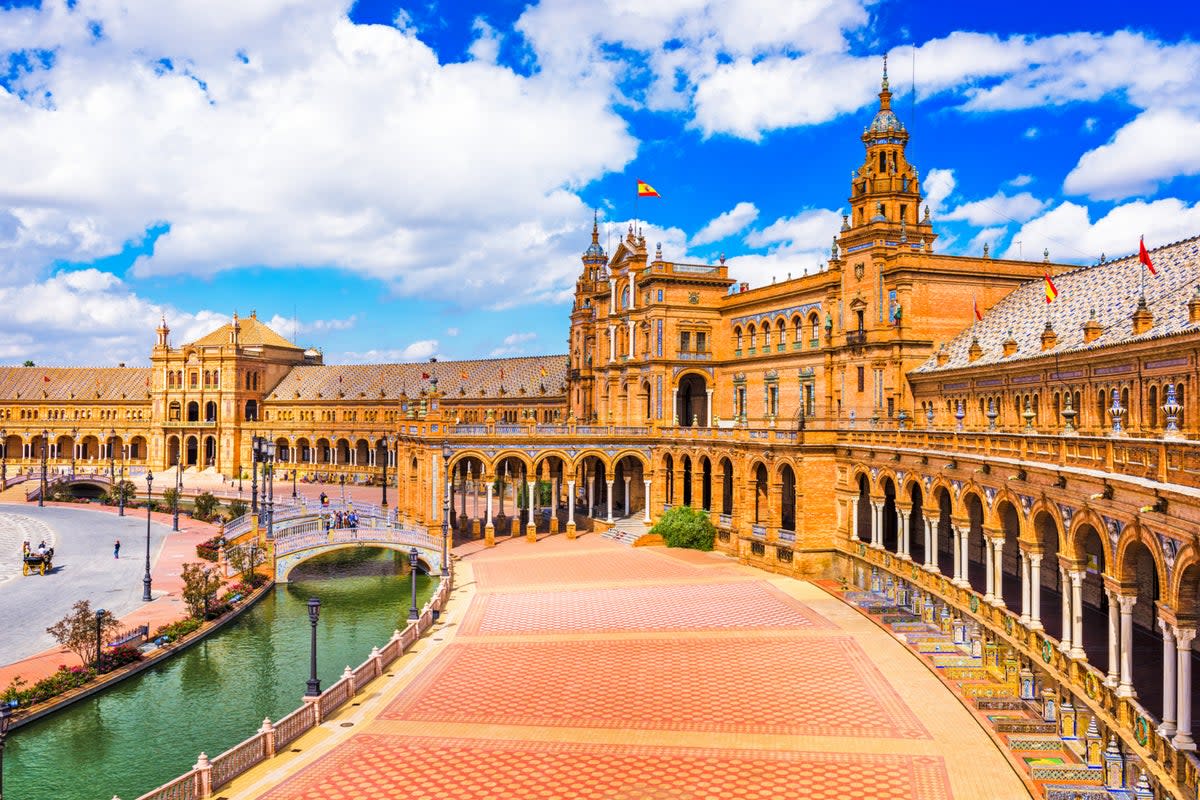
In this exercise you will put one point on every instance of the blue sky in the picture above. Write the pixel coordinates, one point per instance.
(392, 181)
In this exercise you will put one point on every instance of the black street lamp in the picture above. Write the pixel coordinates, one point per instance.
(343, 482)
(255, 443)
(74, 447)
(178, 490)
(146, 578)
(269, 485)
(292, 456)
(112, 460)
(3, 458)
(121, 489)
(446, 453)
(314, 683)
(42, 493)
(383, 484)
(6, 710)
(100, 612)
(413, 557)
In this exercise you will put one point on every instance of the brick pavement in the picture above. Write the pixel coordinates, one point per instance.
(553, 677)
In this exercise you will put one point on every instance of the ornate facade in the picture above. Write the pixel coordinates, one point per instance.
(1034, 473)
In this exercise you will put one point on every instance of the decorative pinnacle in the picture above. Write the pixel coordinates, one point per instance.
(885, 78)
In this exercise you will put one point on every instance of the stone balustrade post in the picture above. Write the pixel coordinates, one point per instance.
(203, 769)
(348, 675)
(268, 733)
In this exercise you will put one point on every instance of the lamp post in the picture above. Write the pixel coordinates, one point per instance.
(178, 490)
(314, 683)
(6, 710)
(342, 480)
(74, 447)
(387, 442)
(112, 463)
(121, 486)
(3, 458)
(413, 560)
(100, 612)
(446, 453)
(42, 493)
(255, 443)
(295, 461)
(146, 578)
(269, 486)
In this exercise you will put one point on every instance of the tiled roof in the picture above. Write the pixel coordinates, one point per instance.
(519, 377)
(74, 383)
(252, 333)
(1108, 290)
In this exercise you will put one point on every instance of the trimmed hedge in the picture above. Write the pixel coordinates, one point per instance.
(684, 526)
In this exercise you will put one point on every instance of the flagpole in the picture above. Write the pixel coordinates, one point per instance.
(1141, 267)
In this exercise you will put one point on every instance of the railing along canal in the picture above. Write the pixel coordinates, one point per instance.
(210, 775)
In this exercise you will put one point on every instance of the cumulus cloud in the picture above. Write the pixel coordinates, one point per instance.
(278, 133)
(795, 246)
(514, 344)
(997, 208)
(726, 224)
(988, 236)
(939, 185)
(289, 326)
(1157, 146)
(1021, 180)
(1069, 233)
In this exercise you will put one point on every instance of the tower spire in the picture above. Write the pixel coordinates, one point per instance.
(884, 85)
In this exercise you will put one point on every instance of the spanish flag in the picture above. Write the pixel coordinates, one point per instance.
(646, 190)
(1144, 256)
(464, 375)
(1051, 290)
(543, 372)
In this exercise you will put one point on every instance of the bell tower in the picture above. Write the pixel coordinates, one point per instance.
(885, 192)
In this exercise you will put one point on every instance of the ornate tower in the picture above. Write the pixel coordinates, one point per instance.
(590, 289)
(885, 192)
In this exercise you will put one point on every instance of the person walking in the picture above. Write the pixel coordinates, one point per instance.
(117, 549)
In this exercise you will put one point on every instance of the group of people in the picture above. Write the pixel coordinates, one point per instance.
(342, 519)
(26, 550)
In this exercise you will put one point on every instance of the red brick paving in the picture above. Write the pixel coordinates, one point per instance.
(600, 566)
(647, 608)
(664, 684)
(377, 767)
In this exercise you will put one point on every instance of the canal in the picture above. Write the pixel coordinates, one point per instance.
(150, 728)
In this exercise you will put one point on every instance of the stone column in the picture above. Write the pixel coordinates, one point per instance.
(632, 291)
(632, 330)
(1065, 642)
(1077, 650)
(876, 525)
(902, 533)
(998, 564)
(853, 519)
(571, 509)
(612, 343)
(1167, 728)
(489, 529)
(1035, 591)
(1183, 689)
(609, 482)
(956, 540)
(963, 532)
(591, 484)
(990, 570)
(708, 419)
(1125, 689)
(675, 406)
(646, 515)
(530, 505)
(1113, 678)
(930, 543)
(464, 475)
(1025, 593)
(627, 511)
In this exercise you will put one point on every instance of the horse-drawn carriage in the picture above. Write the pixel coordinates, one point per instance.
(38, 562)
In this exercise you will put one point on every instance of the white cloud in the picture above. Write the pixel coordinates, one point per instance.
(812, 228)
(1068, 232)
(795, 246)
(1031, 132)
(726, 224)
(1155, 147)
(1089, 124)
(486, 45)
(92, 317)
(988, 236)
(452, 331)
(1021, 180)
(419, 350)
(288, 327)
(514, 344)
(939, 185)
(283, 135)
(997, 208)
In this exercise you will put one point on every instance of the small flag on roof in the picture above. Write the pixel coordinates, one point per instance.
(1144, 256)
(1051, 289)
(646, 190)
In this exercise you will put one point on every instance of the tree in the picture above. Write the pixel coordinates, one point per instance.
(126, 488)
(684, 526)
(77, 630)
(170, 496)
(28, 363)
(200, 583)
(245, 559)
(204, 506)
(237, 508)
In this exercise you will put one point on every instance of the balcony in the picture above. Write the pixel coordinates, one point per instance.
(856, 338)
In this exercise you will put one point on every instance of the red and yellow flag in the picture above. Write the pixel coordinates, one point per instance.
(1051, 289)
(978, 316)
(544, 372)
(464, 375)
(1144, 256)
(646, 190)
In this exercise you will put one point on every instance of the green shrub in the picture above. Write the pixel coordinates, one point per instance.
(685, 526)
(209, 549)
(237, 508)
(204, 506)
(177, 629)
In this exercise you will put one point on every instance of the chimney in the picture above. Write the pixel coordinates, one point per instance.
(975, 351)
(1091, 329)
(1010, 346)
(942, 356)
(1143, 320)
(1049, 337)
(1194, 307)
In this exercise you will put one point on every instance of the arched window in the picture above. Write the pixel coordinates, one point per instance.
(781, 328)
(173, 412)
(210, 411)
(251, 411)
(796, 331)
(814, 327)
(737, 336)
(767, 336)
(753, 337)
(193, 411)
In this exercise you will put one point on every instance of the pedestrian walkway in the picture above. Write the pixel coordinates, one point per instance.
(165, 571)
(588, 669)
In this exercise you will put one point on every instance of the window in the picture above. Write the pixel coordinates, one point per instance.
(660, 291)
(861, 319)
(773, 401)
(862, 379)
(810, 401)
(701, 342)
(685, 341)
(737, 335)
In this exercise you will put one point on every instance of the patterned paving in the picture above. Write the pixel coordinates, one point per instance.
(601, 566)
(647, 608)
(664, 684)
(371, 767)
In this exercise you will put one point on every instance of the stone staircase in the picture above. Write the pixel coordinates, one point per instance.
(1057, 766)
(627, 530)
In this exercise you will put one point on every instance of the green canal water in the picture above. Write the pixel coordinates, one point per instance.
(149, 729)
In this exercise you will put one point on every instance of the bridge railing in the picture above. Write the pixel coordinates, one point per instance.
(306, 539)
(207, 777)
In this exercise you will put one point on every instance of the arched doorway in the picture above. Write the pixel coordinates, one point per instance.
(890, 533)
(687, 480)
(726, 487)
(916, 524)
(863, 513)
(787, 499)
(193, 451)
(210, 451)
(691, 401)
